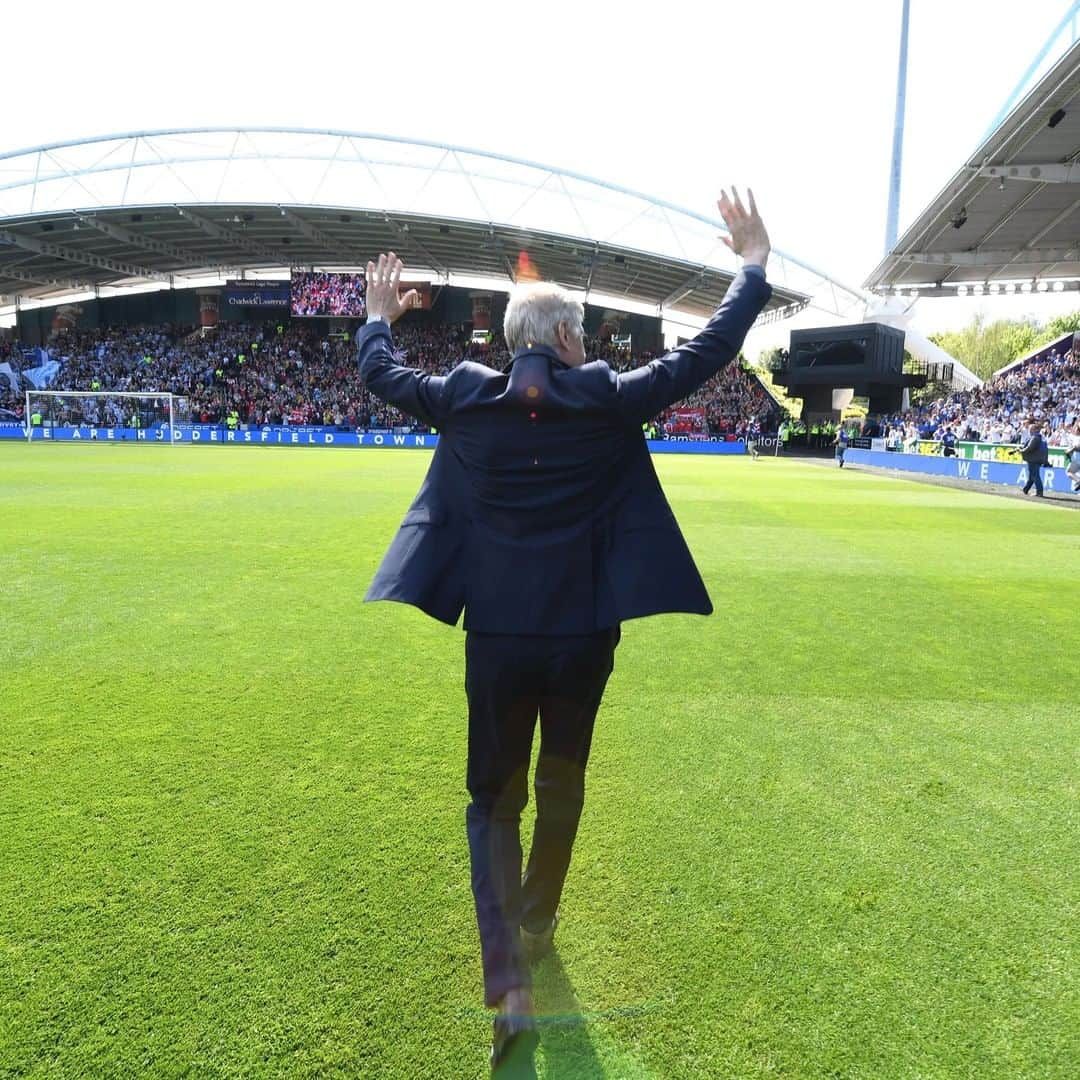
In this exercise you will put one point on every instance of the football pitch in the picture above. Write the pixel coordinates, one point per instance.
(830, 831)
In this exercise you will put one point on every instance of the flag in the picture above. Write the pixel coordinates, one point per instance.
(42, 377)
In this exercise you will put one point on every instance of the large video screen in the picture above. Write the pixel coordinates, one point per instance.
(846, 353)
(326, 295)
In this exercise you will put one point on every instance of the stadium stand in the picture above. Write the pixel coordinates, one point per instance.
(294, 373)
(1045, 389)
(12, 363)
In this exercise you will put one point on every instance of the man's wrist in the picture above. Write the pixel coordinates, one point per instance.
(373, 317)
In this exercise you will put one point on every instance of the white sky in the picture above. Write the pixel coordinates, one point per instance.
(794, 97)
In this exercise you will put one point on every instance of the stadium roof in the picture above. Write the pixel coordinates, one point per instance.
(1009, 220)
(168, 208)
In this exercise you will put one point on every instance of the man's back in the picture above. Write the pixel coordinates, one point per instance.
(541, 512)
(540, 450)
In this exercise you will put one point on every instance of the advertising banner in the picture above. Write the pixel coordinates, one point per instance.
(680, 446)
(216, 433)
(422, 300)
(257, 294)
(209, 306)
(1004, 452)
(275, 435)
(989, 452)
(958, 468)
(685, 420)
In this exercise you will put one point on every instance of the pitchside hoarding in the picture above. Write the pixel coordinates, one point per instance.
(1006, 453)
(217, 433)
(959, 468)
(300, 436)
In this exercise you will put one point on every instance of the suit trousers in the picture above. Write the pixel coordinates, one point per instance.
(1034, 477)
(509, 681)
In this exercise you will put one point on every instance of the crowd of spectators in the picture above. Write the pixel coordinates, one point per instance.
(294, 372)
(1044, 391)
(9, 397)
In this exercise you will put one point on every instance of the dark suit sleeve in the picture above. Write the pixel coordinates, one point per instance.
(649, 389)
(421, 395)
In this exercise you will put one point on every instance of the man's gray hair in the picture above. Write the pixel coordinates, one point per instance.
(534, 312)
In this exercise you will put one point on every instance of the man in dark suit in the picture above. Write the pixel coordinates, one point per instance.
(1036, 454)
(542, 517)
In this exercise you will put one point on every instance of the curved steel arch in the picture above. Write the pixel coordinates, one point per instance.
(38, 180)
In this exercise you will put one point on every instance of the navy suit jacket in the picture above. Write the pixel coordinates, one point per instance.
(1035, 451)
(541, 512)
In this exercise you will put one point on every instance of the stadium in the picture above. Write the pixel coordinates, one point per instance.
(829, 831)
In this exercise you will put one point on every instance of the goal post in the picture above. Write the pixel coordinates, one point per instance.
(139, 414)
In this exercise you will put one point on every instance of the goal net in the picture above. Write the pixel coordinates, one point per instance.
(101, 415)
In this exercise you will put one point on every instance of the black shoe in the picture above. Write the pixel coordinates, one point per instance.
(514, 1040)
(537, 946)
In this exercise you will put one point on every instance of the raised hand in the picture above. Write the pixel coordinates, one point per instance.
(382, 289)
(748, 236)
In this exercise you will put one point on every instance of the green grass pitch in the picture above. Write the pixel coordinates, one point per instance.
(831, 831)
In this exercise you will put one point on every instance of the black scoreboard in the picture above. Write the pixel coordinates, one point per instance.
(866, 352)
(866, 358)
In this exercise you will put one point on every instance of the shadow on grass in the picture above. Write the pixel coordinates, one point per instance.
(565, 1046)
